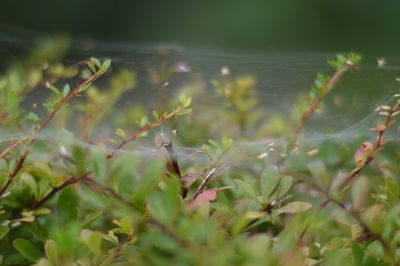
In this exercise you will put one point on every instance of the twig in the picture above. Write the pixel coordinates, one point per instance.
(214, 171)
(368, 232)
(75, 179)
(145, 128)
(172, 165)
(14, 173)
(377, 147)
(121, 246)
(67, 182)
(106, 190)
(312, 108)
(33, 134)
(46, 121)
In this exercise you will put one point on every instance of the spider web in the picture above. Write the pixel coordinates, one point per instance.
(281, 79)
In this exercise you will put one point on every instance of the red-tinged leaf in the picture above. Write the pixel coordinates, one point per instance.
(205, 197)
(208, 195)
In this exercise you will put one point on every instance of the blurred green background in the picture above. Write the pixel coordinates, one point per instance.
(368, 26)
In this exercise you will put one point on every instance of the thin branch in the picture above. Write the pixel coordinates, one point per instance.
(75, 179)
(14, 173)
(377, 147)
(63, 101)
(144, 129)
(214, 171)
(312, 108)
(55, 190)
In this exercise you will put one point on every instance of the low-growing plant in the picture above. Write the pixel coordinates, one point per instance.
(75, 191)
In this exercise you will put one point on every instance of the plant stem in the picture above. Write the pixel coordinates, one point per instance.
(14, 173)
(132, 137)
(377, 147)
(311, 110)
(64, 100)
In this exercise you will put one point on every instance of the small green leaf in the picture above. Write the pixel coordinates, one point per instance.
(268, 181)
(12, 102)
(246, 187)
(3, 83)
(98, 162)
(106, 65)
(66, 90)
(92, 240)
(49, 107)
(27, 249)
(120, 133)
(53, 88)
(156, 115)
(164, 205)
(92, 217)
(358, 254)
(295, 207)
(67, 206)
(42, 211)
(33, 117)
(3, 230)
(96, 61)
(30, 182)
(84, 87)
(51, 251)
(285, 183)
(185, 111)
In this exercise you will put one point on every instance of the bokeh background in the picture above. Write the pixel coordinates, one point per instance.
(367, 26)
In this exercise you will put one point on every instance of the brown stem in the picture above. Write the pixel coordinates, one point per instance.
(311, 110)
(143, 129)
(377, 147)
(74, 179)
(50, 117)
(13, 174)
(67, 182)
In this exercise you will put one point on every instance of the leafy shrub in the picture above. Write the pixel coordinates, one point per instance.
(65, 202)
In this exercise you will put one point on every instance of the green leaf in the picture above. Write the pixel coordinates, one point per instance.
(3, 83)
(106, 64)
(12, 102)
(92, 217)
(53, 88)
(246, 187)
(92, 240)
(27, 249)
(163, 205)
(359, 192)
(67, 206)
(84, 87)
(285, 183)
(120, 133)
(96, 61)
(66, 90)
(50, 248)
(185, 111)
(268, 181)
(98, 162)
(33, 117)
(49, 107)
(79, 156)
(3, 230)
(295, 207)
(358, 254)
(30, 182)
